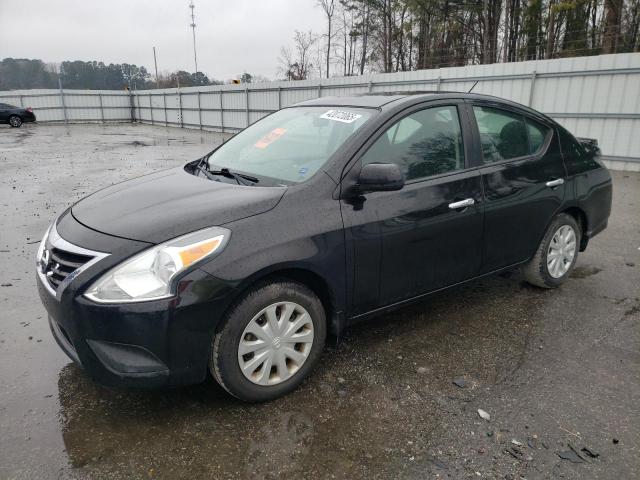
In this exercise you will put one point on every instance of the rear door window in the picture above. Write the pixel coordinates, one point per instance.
(503, 135)
(538, 134)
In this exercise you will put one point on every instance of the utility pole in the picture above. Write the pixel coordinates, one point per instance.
(193, 30)
(155, 61)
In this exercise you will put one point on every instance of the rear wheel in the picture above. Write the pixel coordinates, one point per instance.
(557, 254)
(270, 341)
(15, 121)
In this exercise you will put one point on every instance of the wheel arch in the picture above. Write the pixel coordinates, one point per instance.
(316, 282)
(580, 216)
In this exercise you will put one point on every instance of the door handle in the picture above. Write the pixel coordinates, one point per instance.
(467, 202)
(555, 183)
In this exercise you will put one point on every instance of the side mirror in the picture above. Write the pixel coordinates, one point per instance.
(380, 177)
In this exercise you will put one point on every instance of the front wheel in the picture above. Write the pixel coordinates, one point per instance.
(270, 341)
(556, 255)
(15, 121)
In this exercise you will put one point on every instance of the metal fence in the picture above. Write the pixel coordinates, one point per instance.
(77, 106)
(595, 97)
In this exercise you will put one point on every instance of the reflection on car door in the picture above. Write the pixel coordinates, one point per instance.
(404, 243)
(522, 177)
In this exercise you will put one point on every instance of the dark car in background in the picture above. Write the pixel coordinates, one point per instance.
(317, 216)
(16, 116)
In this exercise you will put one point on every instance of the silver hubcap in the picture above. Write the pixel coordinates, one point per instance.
(275, 343)
(562, 251)
(14, 121)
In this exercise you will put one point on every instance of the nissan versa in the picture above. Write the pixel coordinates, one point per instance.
(242, 262)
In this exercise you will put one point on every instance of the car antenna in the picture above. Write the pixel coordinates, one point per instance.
(474, 86)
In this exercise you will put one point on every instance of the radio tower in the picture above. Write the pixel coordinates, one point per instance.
(193, 29)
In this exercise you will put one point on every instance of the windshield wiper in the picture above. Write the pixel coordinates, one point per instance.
(240, 178)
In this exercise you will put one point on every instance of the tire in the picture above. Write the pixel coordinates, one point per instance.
(537, 271)
(15, 121)
(247, 314)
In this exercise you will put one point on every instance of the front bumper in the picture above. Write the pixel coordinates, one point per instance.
(138, 345)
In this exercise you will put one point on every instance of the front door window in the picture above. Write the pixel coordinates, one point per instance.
(423, 144)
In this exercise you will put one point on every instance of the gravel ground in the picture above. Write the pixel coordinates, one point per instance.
(555, 370)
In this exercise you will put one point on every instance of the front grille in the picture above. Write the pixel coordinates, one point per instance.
(61, 264)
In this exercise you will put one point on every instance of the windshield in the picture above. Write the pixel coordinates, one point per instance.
(290, 145)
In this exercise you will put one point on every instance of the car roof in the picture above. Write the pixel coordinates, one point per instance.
(377, 100)
(367, 101)
(391, 99)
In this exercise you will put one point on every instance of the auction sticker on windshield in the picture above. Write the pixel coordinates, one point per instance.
(270, 137)
(341, 116)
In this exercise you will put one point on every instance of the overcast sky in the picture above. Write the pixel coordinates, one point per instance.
(233, 36)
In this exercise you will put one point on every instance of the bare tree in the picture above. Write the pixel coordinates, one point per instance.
(319, 58)
(328, 6)
(347, 30)
(296, 64)
(365, 35)
(632, 38)
(612, 21)
(400, 35)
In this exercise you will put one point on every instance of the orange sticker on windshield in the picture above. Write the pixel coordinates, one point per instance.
(270, 137)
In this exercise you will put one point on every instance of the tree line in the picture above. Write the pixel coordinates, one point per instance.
(27, 73)
(399, 35)
(365, 36)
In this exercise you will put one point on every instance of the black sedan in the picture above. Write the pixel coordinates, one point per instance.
(240, 263)
(16, 116)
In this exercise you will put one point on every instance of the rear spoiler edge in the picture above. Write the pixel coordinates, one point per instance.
(590, 145)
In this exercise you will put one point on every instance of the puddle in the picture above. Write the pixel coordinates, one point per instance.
(585, 271)
(632, 311)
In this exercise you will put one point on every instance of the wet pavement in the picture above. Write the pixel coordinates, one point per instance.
(555, 370)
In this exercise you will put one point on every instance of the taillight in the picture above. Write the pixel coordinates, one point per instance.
(29, 109)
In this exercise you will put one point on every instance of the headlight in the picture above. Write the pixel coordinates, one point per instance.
(148, 275)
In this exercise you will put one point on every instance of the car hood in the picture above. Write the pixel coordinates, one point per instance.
(170, 203)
